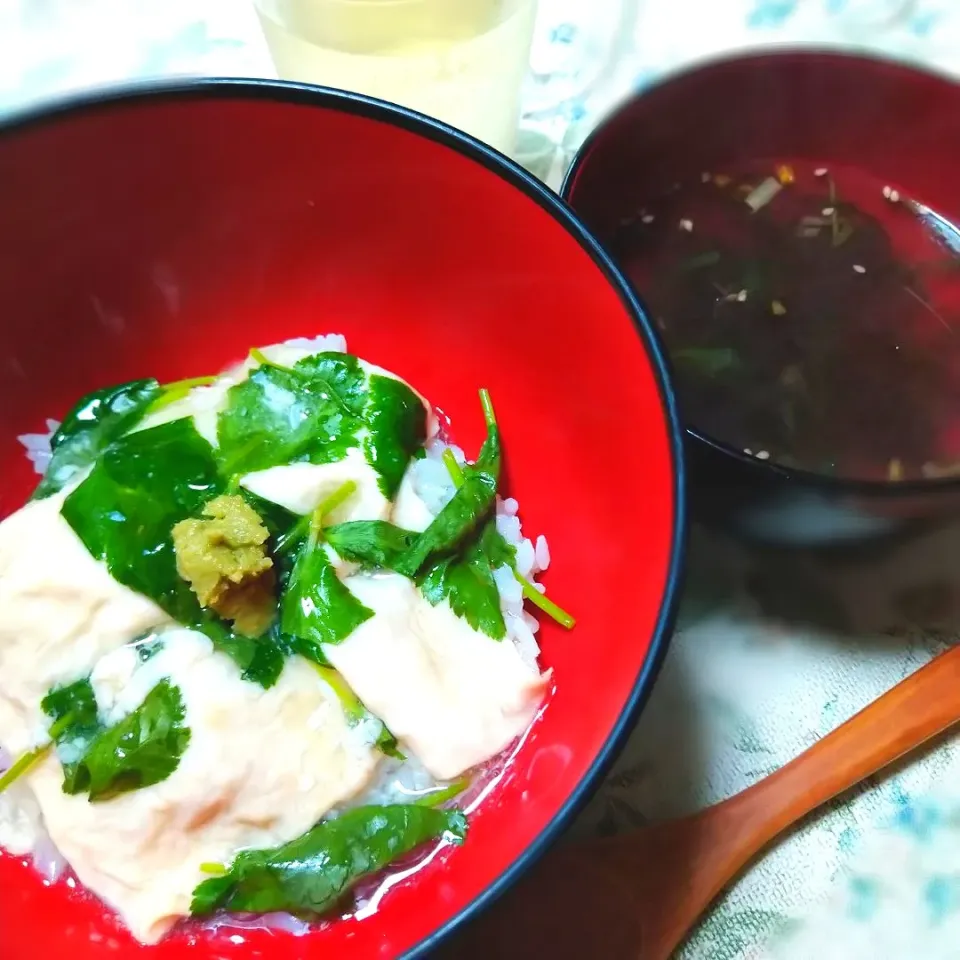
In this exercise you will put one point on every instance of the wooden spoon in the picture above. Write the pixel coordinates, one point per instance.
(637, 895)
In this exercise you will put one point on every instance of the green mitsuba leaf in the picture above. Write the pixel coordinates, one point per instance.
(339, 375)
(278, 416)
(75, 725)
(454, 558)
(141, 486)
(310, 875)
(138, 751)
(397, 428)
(316, 411)
(124, 511)
(462, 517)
(317, 607)
(467, 582)
(95, 422)
(374, 544)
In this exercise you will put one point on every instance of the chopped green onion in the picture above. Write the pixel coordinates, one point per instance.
(529, 590)
(436, 797)
(547, 606)
(213, 869)
(453, 468)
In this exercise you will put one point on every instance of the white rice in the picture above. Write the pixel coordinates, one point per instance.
(37, 446)
(328, 343)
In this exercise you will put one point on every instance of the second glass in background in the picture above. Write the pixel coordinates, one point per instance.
(464, 62)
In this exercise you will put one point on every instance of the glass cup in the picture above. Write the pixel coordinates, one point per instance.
(461, 61)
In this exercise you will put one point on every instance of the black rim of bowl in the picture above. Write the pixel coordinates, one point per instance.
(836, 485)
(535, 190)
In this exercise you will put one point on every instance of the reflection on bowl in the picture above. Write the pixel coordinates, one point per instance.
(803, 267)
(163, 231)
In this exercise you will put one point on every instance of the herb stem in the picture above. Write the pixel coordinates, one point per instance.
(213, 869)
(33, 757)
(351, 704)
(435, 797)
(547, 606)
(453, 468)
(177, 390)
(22, 765)
(529, 590)
(312, 522)
(330, 503)
(297, 532)
(260, 357)
(488, 413)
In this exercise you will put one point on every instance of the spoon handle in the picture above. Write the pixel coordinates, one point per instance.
(918, 708)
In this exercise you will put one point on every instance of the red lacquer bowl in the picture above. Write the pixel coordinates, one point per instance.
(869, 122)
(163, 231)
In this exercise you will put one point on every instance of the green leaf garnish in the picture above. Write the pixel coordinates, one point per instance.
(142, 749)
(74, 710)
(311, 875)
(465, 579)
(316, 607)
(472, 502)
(278, 416)
(495, 553)
(76, 724)
(340, 377)
(374, 544)
(95, 421)
(143, 485)
(316, 411)
(397, 427)
(467, 583)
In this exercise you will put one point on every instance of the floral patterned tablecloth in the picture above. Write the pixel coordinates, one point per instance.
(771, 652)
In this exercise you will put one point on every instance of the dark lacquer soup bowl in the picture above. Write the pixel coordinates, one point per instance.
(788, 219)
(162, 233)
